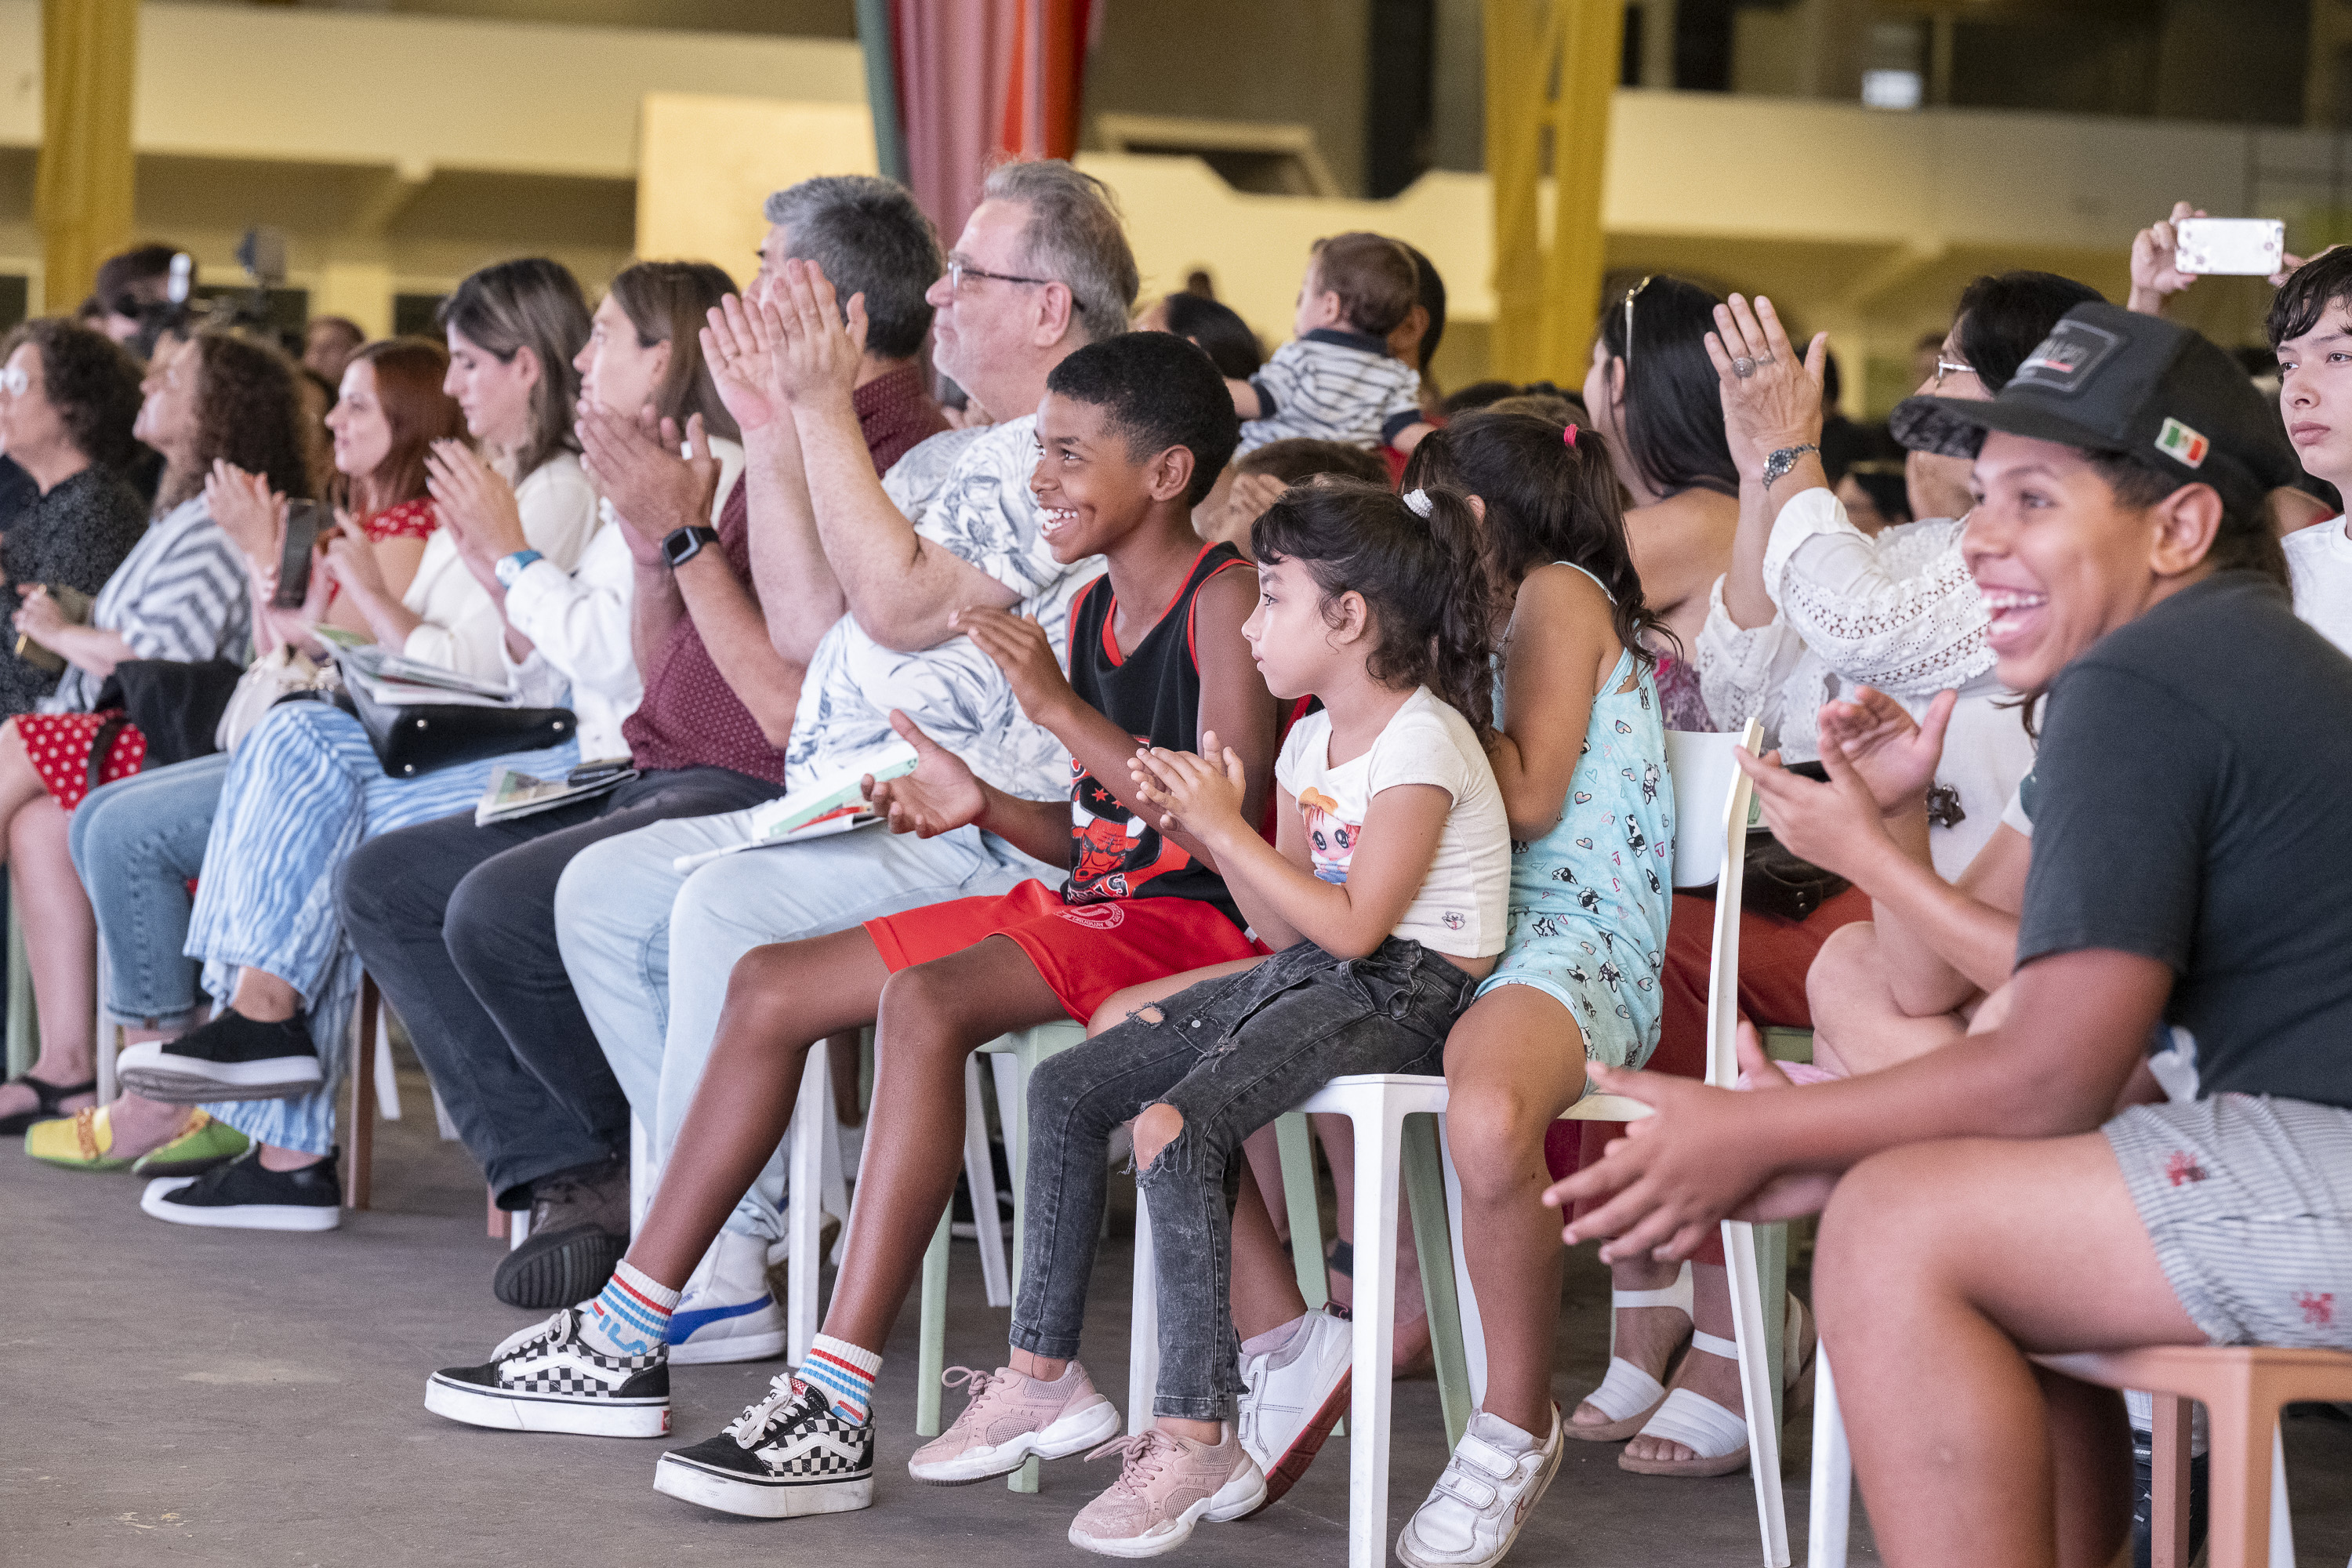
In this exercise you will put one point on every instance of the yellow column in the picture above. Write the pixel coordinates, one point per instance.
(1551, 66)
(82, 200)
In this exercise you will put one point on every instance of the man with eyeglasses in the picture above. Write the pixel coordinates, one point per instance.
(1042, 269)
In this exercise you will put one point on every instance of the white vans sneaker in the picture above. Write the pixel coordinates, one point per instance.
(1292, 1397)
(726, 1312)
(1490, 1485)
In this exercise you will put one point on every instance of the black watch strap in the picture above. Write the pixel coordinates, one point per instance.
(681, 545)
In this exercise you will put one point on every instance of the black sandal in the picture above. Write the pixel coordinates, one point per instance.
(51, 1103)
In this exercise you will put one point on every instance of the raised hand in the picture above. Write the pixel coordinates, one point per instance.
(1191, 792)
(635, 464)
(2155, 275)
(474, 501)
(1019, 648)
(1777, 402)
(818, 357)
(246, 509)
(941, 796)
(1872, 736)
(1250, 499)
(738, 344)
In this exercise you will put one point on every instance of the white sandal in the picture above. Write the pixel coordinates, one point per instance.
(1628, 1395)
(1717, 1434)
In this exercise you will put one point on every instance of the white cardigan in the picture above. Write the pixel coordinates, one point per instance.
(577, 621)
(461, 628)
(1899, 613)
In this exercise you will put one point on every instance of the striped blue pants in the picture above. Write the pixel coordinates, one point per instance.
(304, 790)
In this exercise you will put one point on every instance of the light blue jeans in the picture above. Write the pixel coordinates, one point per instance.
(137, 842)
(649, 949)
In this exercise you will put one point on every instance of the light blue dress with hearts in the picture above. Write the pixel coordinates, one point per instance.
(1590, 900)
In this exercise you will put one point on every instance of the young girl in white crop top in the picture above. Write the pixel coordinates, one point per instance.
(1384, 896)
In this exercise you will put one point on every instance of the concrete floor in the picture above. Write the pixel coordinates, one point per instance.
(195, 1397)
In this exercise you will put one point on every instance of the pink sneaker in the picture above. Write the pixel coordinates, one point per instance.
(1012, 1416)
(1166, 1485)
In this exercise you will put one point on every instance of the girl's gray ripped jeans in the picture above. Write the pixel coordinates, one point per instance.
(1229, 1054)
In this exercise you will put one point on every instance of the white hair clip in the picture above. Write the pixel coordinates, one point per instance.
(1417, 501)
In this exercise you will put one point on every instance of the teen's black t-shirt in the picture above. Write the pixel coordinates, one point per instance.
(2195, 806)
(1154, 694)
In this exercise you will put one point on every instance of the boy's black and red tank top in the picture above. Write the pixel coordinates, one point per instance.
(1154, 694)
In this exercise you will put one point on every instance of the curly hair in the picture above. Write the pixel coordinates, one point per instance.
(249, 413)
(91, 382)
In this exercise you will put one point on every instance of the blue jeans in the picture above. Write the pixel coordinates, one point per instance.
(1231, 1055)
(137, 842)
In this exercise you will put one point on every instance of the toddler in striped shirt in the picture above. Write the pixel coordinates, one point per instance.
(1334, 380)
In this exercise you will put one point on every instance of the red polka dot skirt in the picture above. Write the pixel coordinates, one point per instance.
(59, 744)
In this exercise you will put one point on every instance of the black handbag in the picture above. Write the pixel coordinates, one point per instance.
(175, 703)
(414, 738)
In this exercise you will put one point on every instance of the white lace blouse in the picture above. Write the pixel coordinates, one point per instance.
(1898, 613)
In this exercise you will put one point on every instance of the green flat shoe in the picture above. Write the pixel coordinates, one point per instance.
(201, 1145)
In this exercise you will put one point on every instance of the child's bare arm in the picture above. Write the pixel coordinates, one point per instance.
(1347, 919)
(1245, 399)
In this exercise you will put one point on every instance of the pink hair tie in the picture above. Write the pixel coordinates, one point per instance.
(1568, 435)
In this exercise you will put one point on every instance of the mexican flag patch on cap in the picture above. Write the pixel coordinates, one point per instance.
(2181, 444)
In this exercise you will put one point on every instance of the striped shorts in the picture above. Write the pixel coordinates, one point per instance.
(2249, 1202)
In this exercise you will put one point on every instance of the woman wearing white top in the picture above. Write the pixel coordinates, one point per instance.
(305, 787)
(1813, 608)
(571, 632)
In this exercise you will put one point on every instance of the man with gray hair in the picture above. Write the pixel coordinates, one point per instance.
(456, 921)
(650, 923)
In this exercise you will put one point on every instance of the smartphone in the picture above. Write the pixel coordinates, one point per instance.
(302, 521)
(2235, 247)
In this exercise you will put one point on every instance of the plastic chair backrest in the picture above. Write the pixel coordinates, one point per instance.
(1710, 848)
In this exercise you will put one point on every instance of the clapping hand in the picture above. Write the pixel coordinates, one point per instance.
(474, 501)
(1894, 755)
(248, 510)
(1019, 648)
(819, 355)
(635, 465)
(1771, 398)
(1191, 792)
(739, 345)
(941, 796)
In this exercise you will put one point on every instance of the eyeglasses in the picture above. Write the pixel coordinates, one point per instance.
(1631, 295)
(958, 271)
(16, 380)
(1945, 367)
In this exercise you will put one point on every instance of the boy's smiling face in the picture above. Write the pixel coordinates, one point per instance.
(1092, 489)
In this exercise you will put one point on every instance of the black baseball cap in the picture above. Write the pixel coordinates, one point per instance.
(2112, 380)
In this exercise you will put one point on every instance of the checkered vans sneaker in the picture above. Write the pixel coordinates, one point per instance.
(546, 1378)
(789, 1455)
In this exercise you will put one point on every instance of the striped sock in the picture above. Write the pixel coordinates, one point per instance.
(844, 1374)
(632, 1316)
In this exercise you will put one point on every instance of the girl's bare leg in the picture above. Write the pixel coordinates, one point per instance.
(1939, 1266)
(1513, 1061)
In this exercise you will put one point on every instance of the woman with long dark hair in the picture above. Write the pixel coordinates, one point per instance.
(1651, 393)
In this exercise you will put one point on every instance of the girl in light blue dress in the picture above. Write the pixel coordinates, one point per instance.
(1579, 754)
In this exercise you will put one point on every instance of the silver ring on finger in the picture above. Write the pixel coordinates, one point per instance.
(1743, 367)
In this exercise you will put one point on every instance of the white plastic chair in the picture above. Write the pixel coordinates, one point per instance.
(1378, 1105)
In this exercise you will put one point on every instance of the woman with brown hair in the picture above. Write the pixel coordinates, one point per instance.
(180, 596)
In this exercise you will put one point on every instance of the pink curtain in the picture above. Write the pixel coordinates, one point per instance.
(981, 79)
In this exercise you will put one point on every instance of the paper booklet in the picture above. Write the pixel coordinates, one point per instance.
(513, 792)
(394, 671)
(833, 804)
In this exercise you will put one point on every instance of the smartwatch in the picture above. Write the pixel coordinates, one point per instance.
(681, 545)
(510, 567)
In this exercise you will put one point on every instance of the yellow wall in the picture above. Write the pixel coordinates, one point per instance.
(705, 166)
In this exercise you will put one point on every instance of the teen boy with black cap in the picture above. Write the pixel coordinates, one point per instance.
(1989, 1200)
